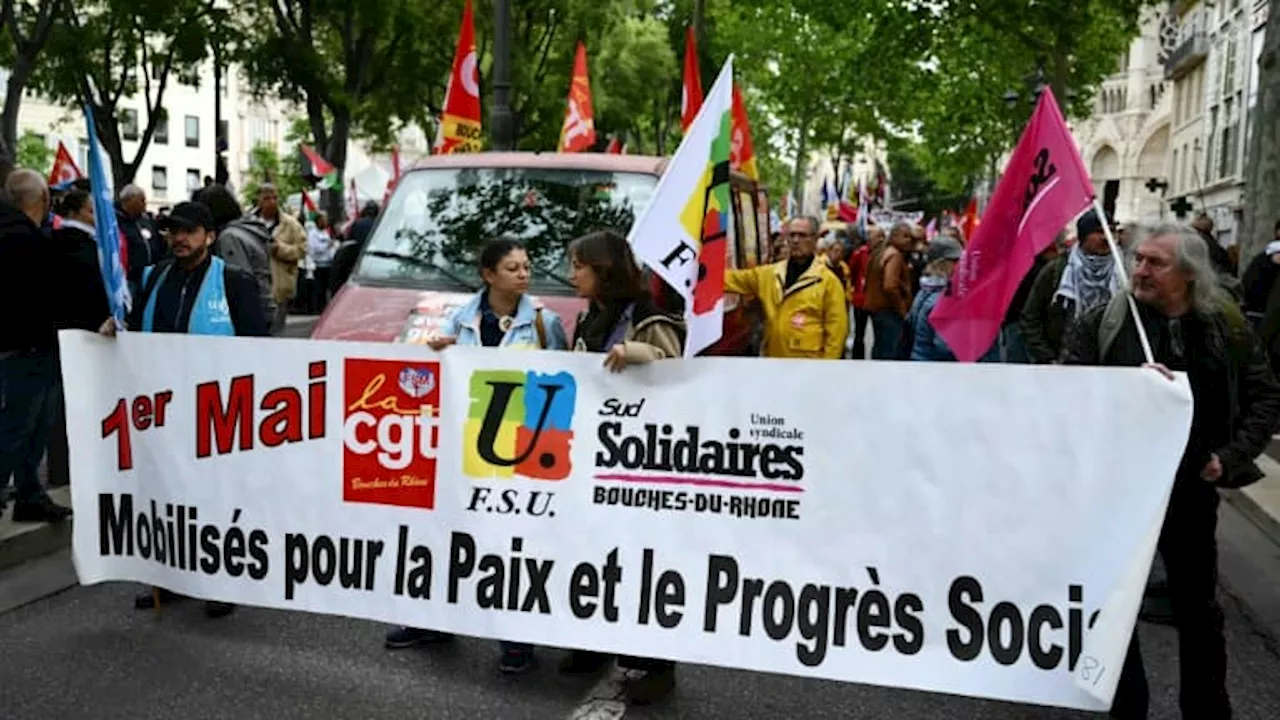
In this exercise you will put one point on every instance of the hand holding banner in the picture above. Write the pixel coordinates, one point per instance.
(1043, 188)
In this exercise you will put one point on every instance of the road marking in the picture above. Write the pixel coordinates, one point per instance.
(607, 699)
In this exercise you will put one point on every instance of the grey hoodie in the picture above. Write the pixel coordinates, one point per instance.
(244, 243)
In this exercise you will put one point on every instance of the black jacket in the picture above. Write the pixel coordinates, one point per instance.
(81, 302)
(1251, 408)
(146, 246)
(173, 305)
(29, 281)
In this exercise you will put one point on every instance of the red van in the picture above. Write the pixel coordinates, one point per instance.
(419, 263)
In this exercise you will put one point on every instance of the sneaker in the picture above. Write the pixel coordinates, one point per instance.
(218, 609)
(581, 662)
(407, 637)
(515, 662)
(652, 687)
(40, 510)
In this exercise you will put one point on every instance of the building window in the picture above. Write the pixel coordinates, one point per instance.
(129, 124)
(1229, 68)
(193, 131)
(193, 180)
(159, 179)
(161, 134)
(1173, 172)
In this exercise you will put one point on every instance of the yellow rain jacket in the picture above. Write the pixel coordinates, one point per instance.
(810, 319)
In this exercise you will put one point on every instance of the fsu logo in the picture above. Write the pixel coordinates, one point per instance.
(519, 423)
(390, 432)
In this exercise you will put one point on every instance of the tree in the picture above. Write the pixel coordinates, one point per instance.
(630, 83)
(978, 52)
(358, 67)
(267, 166)
(1262, 172)
(105, 51)
(33, 153)
(26, 31)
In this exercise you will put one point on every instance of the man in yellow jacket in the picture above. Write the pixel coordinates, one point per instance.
(805, 312)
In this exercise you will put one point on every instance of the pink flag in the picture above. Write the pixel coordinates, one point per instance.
(1043, 188)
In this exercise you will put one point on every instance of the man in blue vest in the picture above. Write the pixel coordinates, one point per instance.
(198, 294)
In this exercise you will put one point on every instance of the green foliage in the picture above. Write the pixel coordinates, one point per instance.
(102, 52)
(33, 153)
(266, 165)
(627, 100)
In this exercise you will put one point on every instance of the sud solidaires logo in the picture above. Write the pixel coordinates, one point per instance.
(519, 424)
(390, 432)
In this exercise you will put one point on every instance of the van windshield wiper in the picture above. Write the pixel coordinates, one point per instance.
(422, 263)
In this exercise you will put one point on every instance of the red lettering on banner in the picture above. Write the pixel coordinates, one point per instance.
(213, 418)
(224, 424)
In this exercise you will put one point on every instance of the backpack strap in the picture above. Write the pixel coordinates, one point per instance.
(1112, 321)
(541, 328)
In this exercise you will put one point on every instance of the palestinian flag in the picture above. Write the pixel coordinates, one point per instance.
(318, 171)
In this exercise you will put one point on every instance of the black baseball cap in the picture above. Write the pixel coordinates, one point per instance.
(188, 216)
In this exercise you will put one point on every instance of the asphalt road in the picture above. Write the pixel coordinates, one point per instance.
(84, 653)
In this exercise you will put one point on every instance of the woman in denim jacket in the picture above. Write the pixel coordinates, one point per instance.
(500, 315)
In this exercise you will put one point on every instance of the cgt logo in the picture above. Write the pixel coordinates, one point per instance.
(519, 423)
(390, 432)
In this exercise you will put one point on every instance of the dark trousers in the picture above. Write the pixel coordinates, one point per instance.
(59, 452)
(860, 319)
(888, 327)
(27, 382)
(319, 296)
(1189, 549)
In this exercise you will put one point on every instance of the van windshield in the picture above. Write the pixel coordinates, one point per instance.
(437, 222)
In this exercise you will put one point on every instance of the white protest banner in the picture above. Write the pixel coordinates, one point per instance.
(953, 528)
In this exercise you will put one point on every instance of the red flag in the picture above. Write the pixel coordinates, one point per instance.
(742, 152)
(64, 168)
(691, 95)
(615, 146)
(579, 130)
(969, 223)
(1043, 188)
(459, 128)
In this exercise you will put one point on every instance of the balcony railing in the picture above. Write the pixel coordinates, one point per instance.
(1187, 56)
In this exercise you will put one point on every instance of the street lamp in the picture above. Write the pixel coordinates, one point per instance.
(1036, 83)
(501, 118)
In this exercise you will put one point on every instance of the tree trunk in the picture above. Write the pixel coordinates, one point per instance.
(104, 120)
(1262, 171)
(336, 153)
(9, 119)
(798, 174)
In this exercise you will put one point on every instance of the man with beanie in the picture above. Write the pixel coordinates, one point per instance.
(1067, 288)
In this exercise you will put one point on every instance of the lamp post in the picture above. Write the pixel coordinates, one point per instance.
(501, 118)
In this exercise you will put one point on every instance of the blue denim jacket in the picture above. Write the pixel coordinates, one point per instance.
(464, 325)
(927, 344)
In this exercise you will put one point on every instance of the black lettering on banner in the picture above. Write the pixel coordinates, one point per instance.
(820, 614)
(413, 568)
(176, 538)
(584, 588)
(1044, 172)
(502, 583)
(665, 595)
(353, 561)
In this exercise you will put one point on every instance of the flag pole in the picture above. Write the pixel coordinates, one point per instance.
(1124, 281)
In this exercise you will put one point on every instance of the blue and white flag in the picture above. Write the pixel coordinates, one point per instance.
(108, 233)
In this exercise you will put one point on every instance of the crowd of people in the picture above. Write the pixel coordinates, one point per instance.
(208, 267)
(181, 265)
